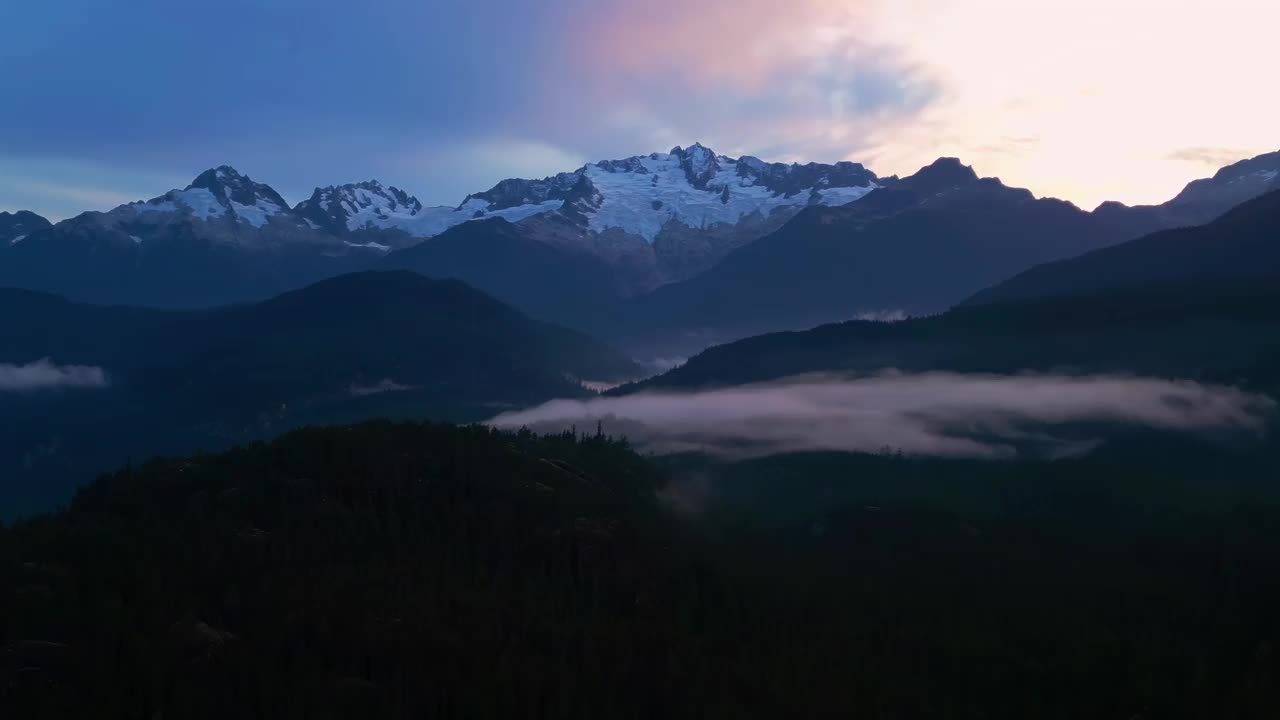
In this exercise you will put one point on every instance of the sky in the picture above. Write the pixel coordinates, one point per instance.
(108, 101)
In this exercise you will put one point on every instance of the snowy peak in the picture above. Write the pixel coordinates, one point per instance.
(219, 193)
(516, 192)
(700, 165)
(365, 205)
(228, 185)
(793, 179)
(643, 194)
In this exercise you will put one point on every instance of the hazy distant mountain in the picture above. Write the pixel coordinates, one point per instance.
(320, 339)
(1205, 199)
(1243, 243)
(915, 245)
(14, 227)
(360, 345)
(1199, 302)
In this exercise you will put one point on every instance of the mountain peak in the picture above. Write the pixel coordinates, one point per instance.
(952, 166)
(358, 206)
(228, 184)
(15, 226)
(942, 174)
(24, 217)
(221, 176)
(1264, 163)
(696, 148)
(1202, 200)
(699, 162)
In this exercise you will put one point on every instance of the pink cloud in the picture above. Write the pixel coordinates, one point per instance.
(745, 44)
(796, 81)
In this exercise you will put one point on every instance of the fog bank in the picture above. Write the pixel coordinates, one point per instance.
(43, 374)
(942, 414)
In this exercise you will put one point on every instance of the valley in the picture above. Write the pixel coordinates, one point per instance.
(622, 441)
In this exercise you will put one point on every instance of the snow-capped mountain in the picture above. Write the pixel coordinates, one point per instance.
(638, 195)
(222, 205)
(674, 213)
(223, 238)
(633, 224)
(367, 205)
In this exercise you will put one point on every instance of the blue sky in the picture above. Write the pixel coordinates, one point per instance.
(110, 101)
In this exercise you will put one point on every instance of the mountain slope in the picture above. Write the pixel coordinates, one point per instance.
(359, 206)
(1243, 243)
(1224, 333)
(1203, 200)
(916, 245)
(1199, 302)
(15, 227)
(495, 256)
(359, 345)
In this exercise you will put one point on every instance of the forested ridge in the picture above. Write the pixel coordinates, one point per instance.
(421, 570)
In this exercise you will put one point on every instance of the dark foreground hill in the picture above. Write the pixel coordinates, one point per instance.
(430, 571)
(390, 344)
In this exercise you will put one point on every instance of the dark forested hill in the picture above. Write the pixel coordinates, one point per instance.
(1221, 332)
(362, 345)
(430, 571)
(503, 260)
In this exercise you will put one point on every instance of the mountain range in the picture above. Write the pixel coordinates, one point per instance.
(1242, 244)
(661, 254)
(1198, 303)
(226, 238)
(914, 246)
(1184, 289)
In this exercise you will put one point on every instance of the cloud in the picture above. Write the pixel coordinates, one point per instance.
(43, 374)
(888, 315)
(784, 81)
(385, 385)
(416, 94)
(1212, 157)
(943, 414)
(92, 197)
(745, 43)
(1110, 89)
(59, 188)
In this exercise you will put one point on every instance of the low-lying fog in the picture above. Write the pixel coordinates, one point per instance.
(943, 414)
(44, 374)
